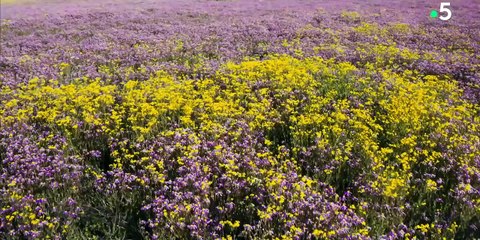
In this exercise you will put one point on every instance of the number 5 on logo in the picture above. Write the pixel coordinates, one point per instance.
(443, 9)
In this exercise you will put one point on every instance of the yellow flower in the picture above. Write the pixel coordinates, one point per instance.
(431, 185)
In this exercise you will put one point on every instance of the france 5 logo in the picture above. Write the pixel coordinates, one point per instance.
(444, 13)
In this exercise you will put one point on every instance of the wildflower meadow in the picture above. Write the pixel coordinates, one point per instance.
(251, 119)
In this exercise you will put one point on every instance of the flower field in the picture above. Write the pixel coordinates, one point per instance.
(250, 119)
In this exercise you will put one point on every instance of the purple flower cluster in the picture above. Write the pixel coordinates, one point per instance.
(213, 187)
(40, 180)
(195, 38)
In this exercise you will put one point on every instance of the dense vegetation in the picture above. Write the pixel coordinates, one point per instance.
(265, 120)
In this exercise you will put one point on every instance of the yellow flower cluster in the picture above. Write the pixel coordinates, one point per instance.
(375, 126)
